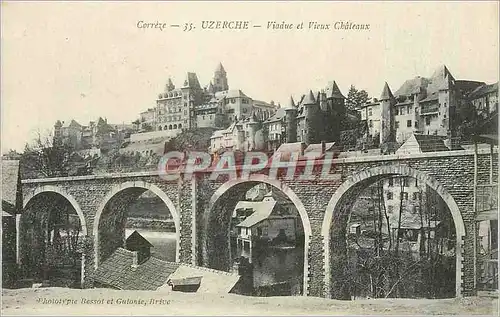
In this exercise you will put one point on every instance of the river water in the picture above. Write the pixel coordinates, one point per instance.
(270, 266)
(164, 243)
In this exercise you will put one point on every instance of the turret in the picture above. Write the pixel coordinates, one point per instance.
(170, 86)
(311, 112)
(323, 105)
(387, 102)
(220, 79)
(291, 122)
(253, 126)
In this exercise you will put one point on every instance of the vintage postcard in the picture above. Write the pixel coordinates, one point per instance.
(249, 158)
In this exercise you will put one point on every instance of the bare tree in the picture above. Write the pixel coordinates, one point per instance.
(45, 158)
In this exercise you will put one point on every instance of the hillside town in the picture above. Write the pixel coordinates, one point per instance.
(392, 216)
(422, 107)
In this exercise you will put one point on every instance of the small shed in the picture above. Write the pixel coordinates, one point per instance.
(136, 242)
(186, 284)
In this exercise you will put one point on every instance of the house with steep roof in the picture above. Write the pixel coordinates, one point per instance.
(124, 271)
(273, 220)
(419, 106)
(485, 99)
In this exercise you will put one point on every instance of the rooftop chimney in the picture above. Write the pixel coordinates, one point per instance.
(134, 260)
(302, 148)
(323, 147)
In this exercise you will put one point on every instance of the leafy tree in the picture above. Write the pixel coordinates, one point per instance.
(45, 158)
(147, 127)
(195, 139)
(355, 98)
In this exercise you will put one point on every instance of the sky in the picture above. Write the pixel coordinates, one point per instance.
(82, 60)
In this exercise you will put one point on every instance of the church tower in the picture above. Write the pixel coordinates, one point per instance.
(220, 79)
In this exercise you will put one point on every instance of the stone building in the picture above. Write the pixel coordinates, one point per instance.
(175, 106)
(70, 133)
(214, 106)
(485, 99)
(97, 135)
(319, 117)
(147, 120)
(421, 105)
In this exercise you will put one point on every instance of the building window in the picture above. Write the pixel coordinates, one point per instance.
(233, 100)
(391, 182)
(371, 124)
(408, 123)
(416, 196)
(403, 195)
(185, 112)
(402, 110)
(159, 127)
(410, 109)
(389, 195)
(428, 121)
(390, 209)
(416, 124)
(369, 111)
(170, 127)
(397, 124)
(175, 126)
(165, 128)
(180, 126)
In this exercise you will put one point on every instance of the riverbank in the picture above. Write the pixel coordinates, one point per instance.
(166, 225)
(43, 301)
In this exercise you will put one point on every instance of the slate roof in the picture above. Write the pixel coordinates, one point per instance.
(309, 99)
(117, 272)
(483, 90)
(431, 97)
(278, 195)
(277, 116)
(220, 68)
(431, 143)
(412, 86)
(333, 91)
(138, 238)
(290, 147)
(235, 93)
(291, 105)
(386, 93)
(192, 81)
(212, 281)
(317, 147)
(263, 210)
(71, 123)
(11, 190)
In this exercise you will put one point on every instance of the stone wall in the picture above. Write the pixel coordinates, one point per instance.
(193, 201)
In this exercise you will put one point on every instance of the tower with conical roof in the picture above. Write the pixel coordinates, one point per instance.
(387, 102)
(170, 86)
(220, 79)
(252, 128)
(291, 122)
(311, 116)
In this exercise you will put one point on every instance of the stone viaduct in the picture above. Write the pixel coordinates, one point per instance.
(201, 208)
